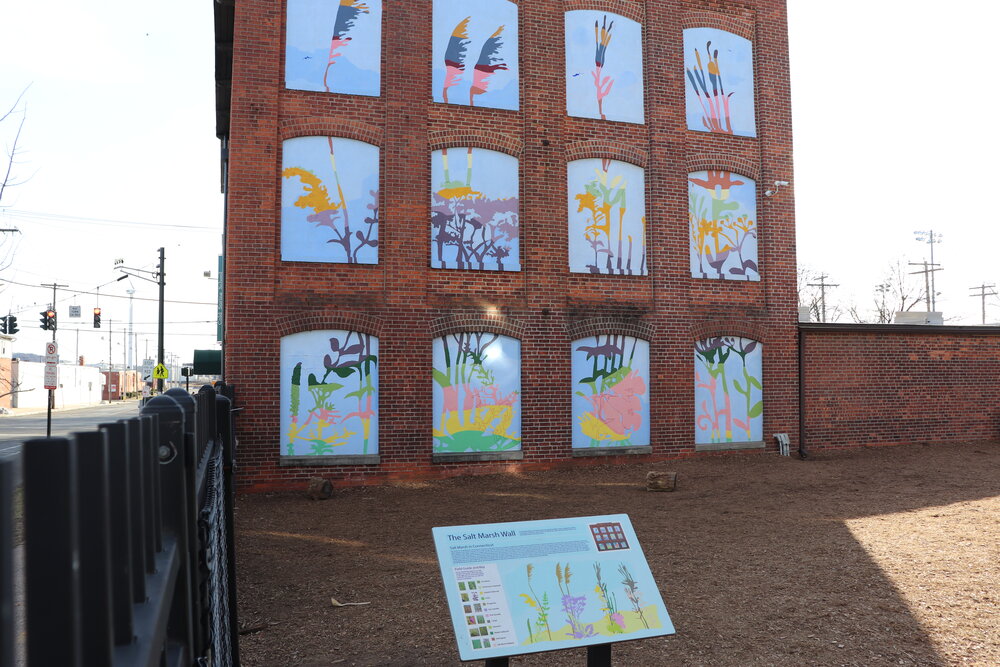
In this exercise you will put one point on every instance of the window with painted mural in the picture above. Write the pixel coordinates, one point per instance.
(329, 393)
(729, 402)
(720, 89)
(477, 393)
(329, 200)
(475, 60)
(474, 210)
(610, 392)
(607, 217)
(604, 66)
(722, 211)
(334, 46)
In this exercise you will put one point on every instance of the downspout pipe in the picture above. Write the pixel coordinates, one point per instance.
(803, 453)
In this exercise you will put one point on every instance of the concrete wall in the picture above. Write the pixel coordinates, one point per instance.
(896, 384)
(78, 385)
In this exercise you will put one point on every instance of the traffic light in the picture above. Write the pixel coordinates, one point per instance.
(97, 318)
(3, 325)
(12, 324)
(48, 320)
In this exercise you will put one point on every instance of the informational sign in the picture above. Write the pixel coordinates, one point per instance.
(147, 369)
(50, 379)
(145, 391)
(74, 311)
(51, 352)
(534, 586)
(161, 372)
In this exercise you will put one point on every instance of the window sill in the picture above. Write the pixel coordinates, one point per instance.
(310, 461)
(611, 451)
(728, 446)
(463, 457)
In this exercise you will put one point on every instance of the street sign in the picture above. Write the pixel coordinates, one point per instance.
(74, 311)
(161, 372)
(51, 352)
(51, 376)
(147, 369)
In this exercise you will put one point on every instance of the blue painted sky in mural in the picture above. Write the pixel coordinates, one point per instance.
(357, 165)
(623, 64)
(486, 17)
(357, 70)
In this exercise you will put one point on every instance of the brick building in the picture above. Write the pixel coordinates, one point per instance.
(471, 237)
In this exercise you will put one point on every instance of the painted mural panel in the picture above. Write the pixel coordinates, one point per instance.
(722, 210)
(729, 403)
(334, 46)
(611, 392)
(474, 210)
(477, 393)
(607, 217)
(329, 393)
(329, 201)
(475, 53)
(603, 66)
(720, 92)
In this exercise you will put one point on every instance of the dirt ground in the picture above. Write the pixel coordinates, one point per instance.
(876, 556)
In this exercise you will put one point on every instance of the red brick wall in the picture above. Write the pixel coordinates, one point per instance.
(402, 300)
(886, 385)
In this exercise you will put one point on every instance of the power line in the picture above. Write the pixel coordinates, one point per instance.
(983, 294)
(113, 296)
(38, 216)
(822, 285)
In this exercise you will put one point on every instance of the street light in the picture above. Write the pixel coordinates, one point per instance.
(930, 237)
(157, 277)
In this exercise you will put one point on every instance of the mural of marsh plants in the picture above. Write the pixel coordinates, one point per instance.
(477, 387)
(334, 46)
(611, 398)
(474, 210)
(329, 393)
(603, 66)
(722, 211)
(329, 201)
(607, 217)
(585, 602)
(475, 59)
(729, 404)
(720, 93)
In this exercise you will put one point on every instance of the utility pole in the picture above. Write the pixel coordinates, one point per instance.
(131, 336)
(928, 273)
(158, 277)
(931, 238)
(822, 285)
(983, 294)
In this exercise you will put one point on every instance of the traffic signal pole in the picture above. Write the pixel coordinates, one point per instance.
(159, 340)
(52, 392)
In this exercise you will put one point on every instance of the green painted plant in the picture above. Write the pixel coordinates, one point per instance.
(540, 605)
(615, 620)
(632, 592)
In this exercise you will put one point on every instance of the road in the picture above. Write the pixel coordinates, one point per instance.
(16, 429)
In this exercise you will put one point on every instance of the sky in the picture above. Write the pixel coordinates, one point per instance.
(892, 106)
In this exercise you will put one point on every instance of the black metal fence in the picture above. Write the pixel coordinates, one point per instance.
(128, 541)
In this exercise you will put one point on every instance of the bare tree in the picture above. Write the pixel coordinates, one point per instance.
(898, 292)
(811, 297)
(8, 236)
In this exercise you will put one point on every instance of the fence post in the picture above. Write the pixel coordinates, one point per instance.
(224, 425)
(175, 454)
(6, 563)
(51, 555)
(95, 547)
(137, 490)
(120, 498)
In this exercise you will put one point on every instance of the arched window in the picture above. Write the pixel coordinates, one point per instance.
(329, 200)
(329, 394)
(335, 47)
(607, 217)
(477, 393)
(610, 392)
(728, 395)
(722, 210)
(719, 70)
(474, 210)
(604, 66)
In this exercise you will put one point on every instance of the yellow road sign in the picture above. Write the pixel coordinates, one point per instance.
(161, 372)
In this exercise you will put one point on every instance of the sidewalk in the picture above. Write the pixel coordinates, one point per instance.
(34, 410)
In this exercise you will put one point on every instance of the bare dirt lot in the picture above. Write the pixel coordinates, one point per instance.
(876, 556)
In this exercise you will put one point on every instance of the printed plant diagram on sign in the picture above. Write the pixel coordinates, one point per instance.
(611, 397)
(477, 387)
(329, 393)
(334, 47)
(475, 53)
(329, 201)
(722, 210)
(719, 70)
(729, 403)
(603, 66)
(474, 210)
(607, 217)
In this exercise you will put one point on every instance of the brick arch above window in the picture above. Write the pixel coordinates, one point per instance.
(601, 326)
(612, 150)
(738, 25)
(492, 140)
(463, 322)
(627, 8)
(327, 318)
(724, 161)
(330, 127)
(728, 327)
